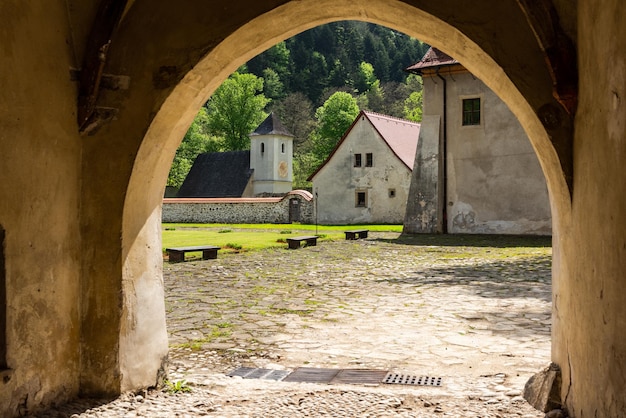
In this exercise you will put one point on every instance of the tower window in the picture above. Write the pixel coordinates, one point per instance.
(262, 147)
(369, 159)
(471, 111)
(282, 148)
(357, 160)
(392, 192)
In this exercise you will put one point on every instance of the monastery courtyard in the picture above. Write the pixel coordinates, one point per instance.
(473, 311)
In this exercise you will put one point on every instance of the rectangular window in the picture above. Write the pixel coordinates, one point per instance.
(471, 111)
(369, 159)
(392, 192)
(361, 199)
(357, 160)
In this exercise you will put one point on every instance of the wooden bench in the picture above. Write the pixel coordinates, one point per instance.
(356, 233)
(178, 254)
(294, 242)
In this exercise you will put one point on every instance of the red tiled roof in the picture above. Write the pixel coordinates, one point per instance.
(399, 134)
(433, 58)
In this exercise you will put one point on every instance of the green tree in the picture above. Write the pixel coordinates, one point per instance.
(196, 141)
(413, 107)
(365, 78)
(273, 87)
(376, 98)
(334, 117)
(304, 164)
(413, 103)
(236, 109)
(277, 58)
(393, 99)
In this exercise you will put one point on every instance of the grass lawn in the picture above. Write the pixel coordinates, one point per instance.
(249, 237)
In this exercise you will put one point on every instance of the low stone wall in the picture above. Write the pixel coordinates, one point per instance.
(239, 210)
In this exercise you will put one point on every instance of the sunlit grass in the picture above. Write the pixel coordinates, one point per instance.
(235, 241)
(251, 237)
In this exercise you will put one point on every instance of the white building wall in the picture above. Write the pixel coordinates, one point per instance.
(494, 180)
(337, 182)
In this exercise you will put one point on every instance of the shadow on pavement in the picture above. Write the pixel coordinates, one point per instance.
(471, 240)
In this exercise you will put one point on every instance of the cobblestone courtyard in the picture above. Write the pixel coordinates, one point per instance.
(473, 311)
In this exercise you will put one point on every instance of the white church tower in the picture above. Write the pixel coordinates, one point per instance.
(271, 158)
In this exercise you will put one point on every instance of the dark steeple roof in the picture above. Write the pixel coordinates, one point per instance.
(271, 126)
(218, 174)
(433, 58)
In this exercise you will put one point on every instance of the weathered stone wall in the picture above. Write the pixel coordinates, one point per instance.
(254, 211)
(40, 152)
(494, 183)
(422, 208)
(589, 314)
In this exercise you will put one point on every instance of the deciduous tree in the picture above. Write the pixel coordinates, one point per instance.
(196, 141)
(334, 117)
(236, 109)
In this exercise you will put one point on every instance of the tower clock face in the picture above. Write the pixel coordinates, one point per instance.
(283, 169)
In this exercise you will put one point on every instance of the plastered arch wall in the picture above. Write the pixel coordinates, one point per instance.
(83, 269)
(142, 208)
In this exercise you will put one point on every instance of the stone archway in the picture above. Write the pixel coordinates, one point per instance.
(81, 212)
(143, 321)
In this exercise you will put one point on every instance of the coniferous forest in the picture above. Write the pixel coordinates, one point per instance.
(316, 82)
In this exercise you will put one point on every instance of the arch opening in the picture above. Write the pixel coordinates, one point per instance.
(142, 215)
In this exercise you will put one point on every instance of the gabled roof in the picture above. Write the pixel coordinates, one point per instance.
(217, 174)
(433, 58)
(271, 126)
(400, 135)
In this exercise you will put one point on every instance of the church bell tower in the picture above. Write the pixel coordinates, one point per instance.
(271, 158)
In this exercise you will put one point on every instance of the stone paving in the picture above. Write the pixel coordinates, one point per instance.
(476, 316)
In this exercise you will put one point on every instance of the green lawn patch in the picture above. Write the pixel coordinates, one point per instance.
(251, 237)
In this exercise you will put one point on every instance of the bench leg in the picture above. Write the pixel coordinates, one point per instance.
(311, 242)
(209, 254)
(176, 256)
(350, 235)
(294, 245)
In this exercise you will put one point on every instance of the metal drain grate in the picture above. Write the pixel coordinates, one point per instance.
(312, 375)
(407, 379)
(254, 373)
(336, 376)
(359, 377)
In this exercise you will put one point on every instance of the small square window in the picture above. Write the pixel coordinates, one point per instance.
(369, 159)
(357, 160)
(392, 192)
(471, 111)
(360, 199)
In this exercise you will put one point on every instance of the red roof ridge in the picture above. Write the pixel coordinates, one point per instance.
(394, 118)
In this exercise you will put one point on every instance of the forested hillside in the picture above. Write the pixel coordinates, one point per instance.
(316, 82)
(330, 57)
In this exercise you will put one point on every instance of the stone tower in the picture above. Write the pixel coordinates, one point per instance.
(271, 158)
